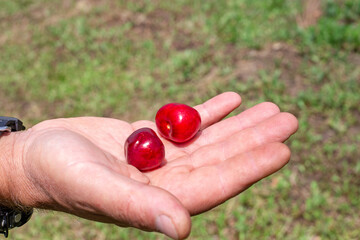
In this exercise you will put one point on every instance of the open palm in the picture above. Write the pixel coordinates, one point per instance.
(87, 174)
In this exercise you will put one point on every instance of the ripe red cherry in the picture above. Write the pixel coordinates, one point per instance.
(144, 149)
(178, 122)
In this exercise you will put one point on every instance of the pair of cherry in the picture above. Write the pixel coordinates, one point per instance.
(175, 122)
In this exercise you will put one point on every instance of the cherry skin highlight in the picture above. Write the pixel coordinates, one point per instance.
(178, 122)
(144, 149)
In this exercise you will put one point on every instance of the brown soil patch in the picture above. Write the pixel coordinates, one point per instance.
(311, 13)
(248, 63)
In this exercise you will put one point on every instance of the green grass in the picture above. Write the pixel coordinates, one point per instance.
(338, 28)
(125, 59)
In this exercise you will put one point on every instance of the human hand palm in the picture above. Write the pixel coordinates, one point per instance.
(85, 157)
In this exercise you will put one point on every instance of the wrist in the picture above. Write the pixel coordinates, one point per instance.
(14, 185)
(6, 152)
(13, 213)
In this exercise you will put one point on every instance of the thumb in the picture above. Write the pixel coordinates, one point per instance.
(127, 202)
(152, 208)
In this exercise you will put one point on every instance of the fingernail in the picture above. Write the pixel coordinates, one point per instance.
(166, 226)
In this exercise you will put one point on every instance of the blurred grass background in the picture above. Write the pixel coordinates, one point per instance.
(125, 59)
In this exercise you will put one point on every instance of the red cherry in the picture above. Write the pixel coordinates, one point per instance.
(144, 149)
(178, 122)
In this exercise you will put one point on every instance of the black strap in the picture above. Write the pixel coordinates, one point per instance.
(14, 123)
(10, 218)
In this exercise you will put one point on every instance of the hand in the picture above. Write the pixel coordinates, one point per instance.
(77, 165)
